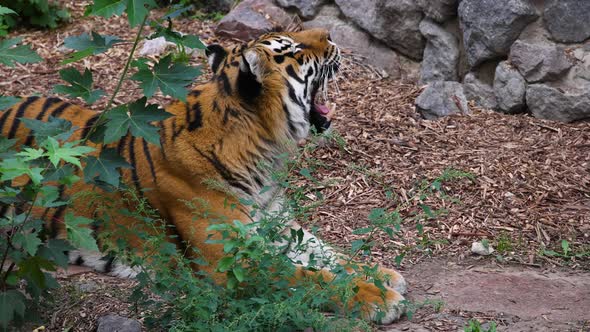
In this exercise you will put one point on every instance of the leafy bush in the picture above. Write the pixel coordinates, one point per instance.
(34, 13)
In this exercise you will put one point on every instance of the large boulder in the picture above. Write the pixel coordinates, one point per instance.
(509, 88)
(539, 62)
(491, 26)
(441, 55)
(393, 22)
(439, 10)
(568, 20)
(307, 9)
(348, 36)
(553, 104)
(112, 322)
(481, 93)
(252, 18)
(441, 99)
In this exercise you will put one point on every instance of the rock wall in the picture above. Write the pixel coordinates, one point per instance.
(508, 55)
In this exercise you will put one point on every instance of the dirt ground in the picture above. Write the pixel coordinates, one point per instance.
(530, 191)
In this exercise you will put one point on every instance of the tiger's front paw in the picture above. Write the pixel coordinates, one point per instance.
(381, 307)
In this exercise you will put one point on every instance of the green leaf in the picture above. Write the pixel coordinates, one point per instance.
(81, 85)
(6, 143)
(107, 8)
(78, 235)
(56, 251)
(14, 167)
(170, 78)
(6, 11)
(68, 152)
(57, 128)
(105, 167)
(76, 56)
(565, 246)
(97, 43)
(29, 154)
(11, 302)
(362, 231)
(137, 10)
(239, 273)
(136, 117)
(356, 245)
(225, 263)
(8, 101)
(28, 241)
(9, 53)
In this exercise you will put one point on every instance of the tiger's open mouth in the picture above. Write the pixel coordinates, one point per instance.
(320, 89)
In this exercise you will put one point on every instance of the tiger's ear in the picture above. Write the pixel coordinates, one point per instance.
(250, 64)
(215, 54)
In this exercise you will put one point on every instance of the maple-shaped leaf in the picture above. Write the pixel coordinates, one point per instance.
(27, 241)
(79, 232)
(176, 37)
(81, 85)
(60, 129)
(10, 53)
(97, 43)
(170, 77)
(11, 302)
(136, 117)
(137, 10)
(55, 250)
(106, 8)
(14, 167)
(8, 101)
(105, 167)
(68, 152)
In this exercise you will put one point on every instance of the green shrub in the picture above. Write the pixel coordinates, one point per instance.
(33, 13)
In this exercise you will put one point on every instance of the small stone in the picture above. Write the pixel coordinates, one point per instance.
(87, 286)
(479, 248)
(252, 18)
(116, 323)
(509, 88)
(441, 99)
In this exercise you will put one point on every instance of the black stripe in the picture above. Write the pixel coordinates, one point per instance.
(132, 161)
(79, 260)
(108, 266)
(194, 117)
(19, 114)
(292, 129)
(49, 102)
(175, 133)
(229, 111)
(162, 138)
(293, 95)
(225, 83)
(57, 111)
(279, 58)
(121, 145)
(148, 156)
(53, 231)
(225, 173)
(88, 125)
(292, 73)
(195, 93)
(4, 117)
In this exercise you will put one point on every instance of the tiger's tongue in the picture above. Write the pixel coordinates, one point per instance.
(322, 109)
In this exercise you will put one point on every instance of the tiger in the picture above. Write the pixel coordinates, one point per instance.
(262, 94)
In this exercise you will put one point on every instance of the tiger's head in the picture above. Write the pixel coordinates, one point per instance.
(281, 73)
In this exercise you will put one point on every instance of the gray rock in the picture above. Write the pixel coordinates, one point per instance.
(491, 26)
(509, 88)
(393, 22)
(348, 36)
(568, 20)
(479, 92)
(252, 18)
(307, 9)
(546, 102)
(479, 248)
(441, 55)
(87, 286)
(538, 62)
(116, 323)
(439, 10)
(441, 99)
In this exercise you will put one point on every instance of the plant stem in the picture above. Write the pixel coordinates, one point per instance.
(119, 83)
